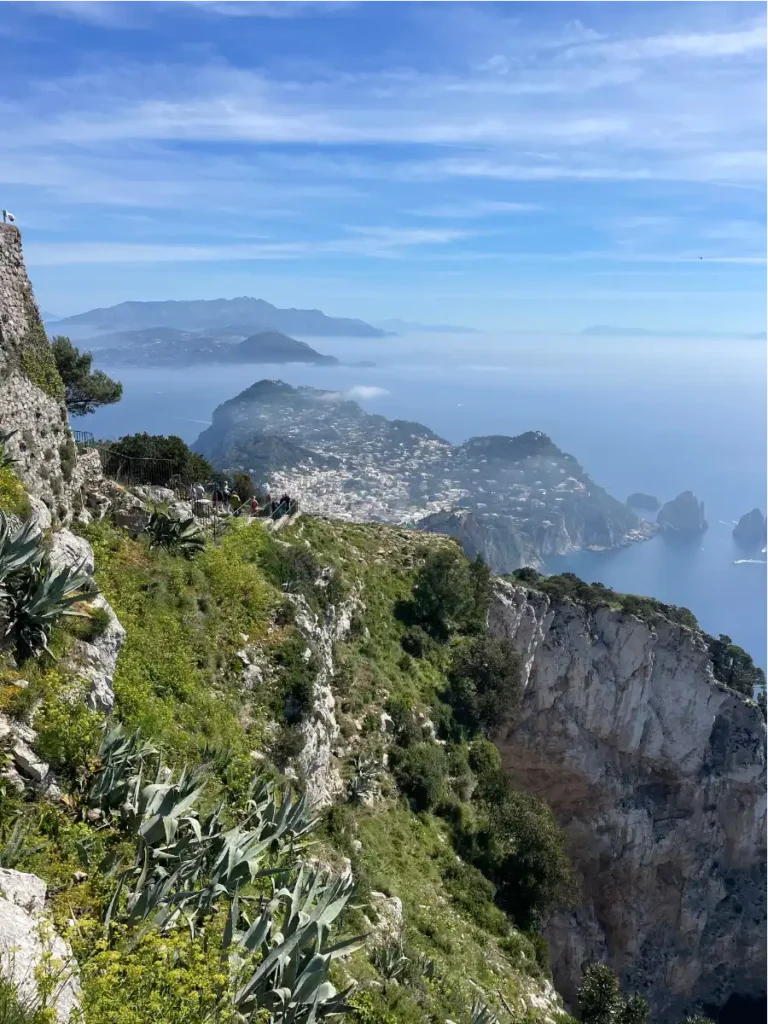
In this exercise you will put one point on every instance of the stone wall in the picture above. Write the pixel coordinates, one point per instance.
(30, 393)
(657, 773)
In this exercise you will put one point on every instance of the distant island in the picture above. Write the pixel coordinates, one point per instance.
(609, 331)
(168, 346)
(514, 500)
(413, 327)
(213, 314)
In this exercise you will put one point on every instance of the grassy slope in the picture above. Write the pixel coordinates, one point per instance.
(177, 678)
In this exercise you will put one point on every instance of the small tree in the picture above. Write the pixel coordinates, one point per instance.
(484, 683)
(244, 487)
(602, 1002)
(443, 592)
(84, 389)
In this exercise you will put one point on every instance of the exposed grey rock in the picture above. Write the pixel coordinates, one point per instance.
(20, 740)
(47, 461)
(67, 549)
(40, 513)
(159, 495)
(320, 729)
(657, 773)
(26, 937)
(387, 923)
(751, 529)
(684, 514)
(93, 661)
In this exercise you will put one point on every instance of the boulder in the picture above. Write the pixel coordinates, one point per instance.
(19, 740)
(67, 549)
(387, 926)
(158, 495)
(95, 660)
(683, 515)
(26, 941)
(750, 531)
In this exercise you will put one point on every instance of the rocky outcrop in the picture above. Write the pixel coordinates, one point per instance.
(31, 394)
(657, 773)
(320, 729)
(29, 944)
(683, 515)
(750, 531)
(93, 661)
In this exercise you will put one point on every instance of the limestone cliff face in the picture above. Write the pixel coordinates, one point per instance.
(31, 393)
(657, 773)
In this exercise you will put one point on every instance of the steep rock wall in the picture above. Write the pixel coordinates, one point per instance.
(657, 773)
(31, 393)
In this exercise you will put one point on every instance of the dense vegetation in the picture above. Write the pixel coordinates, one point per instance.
(179, 680)
(84, 389)
(185, 464)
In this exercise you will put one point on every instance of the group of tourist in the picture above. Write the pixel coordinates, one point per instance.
(224, 498)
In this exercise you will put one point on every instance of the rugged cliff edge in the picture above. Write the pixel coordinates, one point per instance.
(657, 772)
(32, 405)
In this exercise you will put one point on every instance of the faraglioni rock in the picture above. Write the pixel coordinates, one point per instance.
(751, 529)
(657, 773)
(684, 514)
(644, 502)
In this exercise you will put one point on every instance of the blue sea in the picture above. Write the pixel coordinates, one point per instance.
(653, 415)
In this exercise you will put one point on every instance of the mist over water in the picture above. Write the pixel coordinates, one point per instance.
(639, 414)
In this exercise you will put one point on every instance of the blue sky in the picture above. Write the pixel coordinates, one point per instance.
(539, 166)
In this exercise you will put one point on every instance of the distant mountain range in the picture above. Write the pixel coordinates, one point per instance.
(608, 331)
(213, 314)
(413, 327)
(169, 346)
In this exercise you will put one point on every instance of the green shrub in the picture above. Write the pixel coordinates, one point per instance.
(296, 673)
(420, 770)
(484, 683)
(68, 457)
(601, 1001)
(186, 464)
(14, 500)
(442, 598)
(733, 666)
(93, 625)
(404, 725)
(40, 366)
(244, 486)
(474, 893)
(521, 848)
(484, 758)
(67, 732)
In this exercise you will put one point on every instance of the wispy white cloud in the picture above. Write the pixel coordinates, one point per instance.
(365, 392)
(281, 9)
(121, 14)
(476, 209)
(384, 243)
(750, 39)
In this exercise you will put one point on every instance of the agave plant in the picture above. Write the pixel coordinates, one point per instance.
(6, 460)
(19, 549)
(291, 980)
(365, 772)
(390, 961)
(35, 598)
(482, 1014)
(183, 535)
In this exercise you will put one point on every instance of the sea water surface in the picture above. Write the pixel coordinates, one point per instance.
(652, 415)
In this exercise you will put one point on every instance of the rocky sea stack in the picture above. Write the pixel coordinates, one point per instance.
(750, 531)
(643, 502)
(683, 515)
